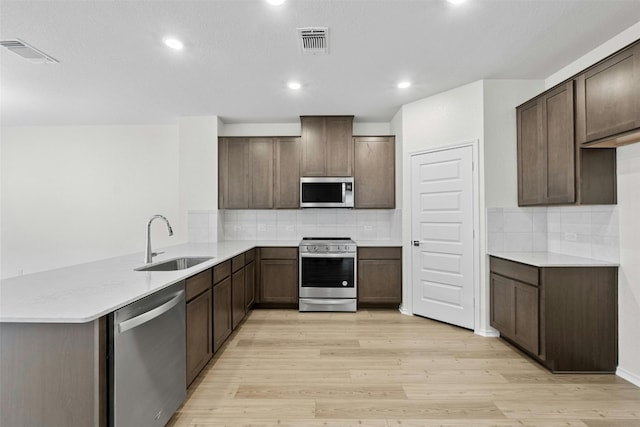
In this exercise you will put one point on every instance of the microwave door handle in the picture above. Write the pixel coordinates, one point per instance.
(344, 192)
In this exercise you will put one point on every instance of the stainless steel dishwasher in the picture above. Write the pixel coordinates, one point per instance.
(147, 359)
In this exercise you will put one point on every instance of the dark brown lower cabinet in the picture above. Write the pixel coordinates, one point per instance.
(221, 312)
(379, 276)
(237, 297)
(249, 285)
(278, 274)
(199, 338)
(514, 311)
(564, 317)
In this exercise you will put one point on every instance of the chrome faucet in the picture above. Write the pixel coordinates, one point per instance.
(149, 254)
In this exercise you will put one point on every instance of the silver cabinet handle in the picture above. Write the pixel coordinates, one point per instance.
(151, 314)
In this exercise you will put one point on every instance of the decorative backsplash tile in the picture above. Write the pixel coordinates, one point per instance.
(296, 224)
(587, 231)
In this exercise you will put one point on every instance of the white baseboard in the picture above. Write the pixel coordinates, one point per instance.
(405, 311)
(488, 333)
(631, 377)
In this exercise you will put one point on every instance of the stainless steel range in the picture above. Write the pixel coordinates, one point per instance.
(327, 274)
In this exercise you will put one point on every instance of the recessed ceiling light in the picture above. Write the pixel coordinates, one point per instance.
(404, 85)
(456, 1)
(173, 43)
(275, 2)
(294, 85)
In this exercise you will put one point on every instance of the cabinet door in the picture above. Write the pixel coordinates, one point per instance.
(199, 335)
(237, 190)
(380, 281)
(237, 298)
(287, 173)
(375, 172)
(608, 97)
(531, 154)
(279, 281)
(502, 305)
(221, 313)
(557, 125)
(223, 171)
(339, 151)
(261, 173)
(313, 141)
(526, 316)
(249, 285)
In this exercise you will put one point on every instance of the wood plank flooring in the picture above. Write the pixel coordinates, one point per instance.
(381, 368)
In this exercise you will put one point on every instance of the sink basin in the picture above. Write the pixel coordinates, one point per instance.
(174, 264)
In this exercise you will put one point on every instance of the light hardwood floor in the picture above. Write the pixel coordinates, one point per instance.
(382, 368)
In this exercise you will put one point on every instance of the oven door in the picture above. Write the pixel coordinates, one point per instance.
(327, 276)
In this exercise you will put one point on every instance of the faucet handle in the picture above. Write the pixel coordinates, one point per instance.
(156, 253)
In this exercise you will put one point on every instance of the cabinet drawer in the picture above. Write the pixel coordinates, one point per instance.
(221, 271)
(237, 262)
(279, 253)
(198, 284)
(380, 253)
(515, 270)
(249, 256)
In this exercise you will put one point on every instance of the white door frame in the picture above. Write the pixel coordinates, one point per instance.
(474, 144)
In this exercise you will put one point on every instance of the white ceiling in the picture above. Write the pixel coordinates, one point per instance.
(239, 55)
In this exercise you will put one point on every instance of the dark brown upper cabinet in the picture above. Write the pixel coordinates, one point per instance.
(374, 172)
(287, 173)
(233, 173)
(552, 167)
(608, 101)
(546, 149)
(327, 148)
(261, 162)
(245, 173)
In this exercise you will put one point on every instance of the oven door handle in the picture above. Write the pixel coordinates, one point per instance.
(345, 255)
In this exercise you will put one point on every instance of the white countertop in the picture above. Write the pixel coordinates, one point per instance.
(378, 243)
(552, 259)
(85, 292)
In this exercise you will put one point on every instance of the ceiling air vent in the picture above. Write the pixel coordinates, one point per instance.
(314, 40)
(27, 51)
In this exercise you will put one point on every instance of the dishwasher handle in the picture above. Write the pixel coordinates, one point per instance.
(151, 314)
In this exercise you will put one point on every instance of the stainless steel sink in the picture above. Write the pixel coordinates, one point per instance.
(174, 264)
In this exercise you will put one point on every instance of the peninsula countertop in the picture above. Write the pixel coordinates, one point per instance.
(85, 292)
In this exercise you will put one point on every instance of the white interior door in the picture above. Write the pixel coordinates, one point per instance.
(442, 222)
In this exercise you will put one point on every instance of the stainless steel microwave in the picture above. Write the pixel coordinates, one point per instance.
(326, 192)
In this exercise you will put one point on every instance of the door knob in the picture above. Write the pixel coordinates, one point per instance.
(416, 243)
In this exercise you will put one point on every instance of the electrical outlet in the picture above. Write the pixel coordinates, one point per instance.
(570, 237)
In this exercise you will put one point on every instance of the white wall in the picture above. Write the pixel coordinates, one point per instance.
(293, 129)
(628, 204)
(629, 273)
(77, 194)
(448, 118)
(500, 135)
(395, 128)
(259, 129)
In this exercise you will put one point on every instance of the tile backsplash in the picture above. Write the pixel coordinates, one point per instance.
(586, 231)
(295, 224)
